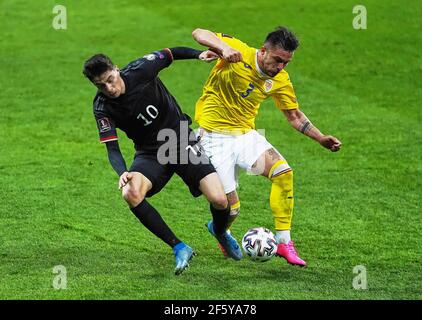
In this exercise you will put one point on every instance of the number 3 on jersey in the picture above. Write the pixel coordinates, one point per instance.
(248, 91)
(151, 111)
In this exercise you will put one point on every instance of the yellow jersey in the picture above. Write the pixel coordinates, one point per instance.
(234, 92)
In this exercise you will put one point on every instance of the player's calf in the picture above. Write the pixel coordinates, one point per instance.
(234, 213)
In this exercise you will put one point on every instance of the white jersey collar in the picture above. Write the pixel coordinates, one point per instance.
(261, 73)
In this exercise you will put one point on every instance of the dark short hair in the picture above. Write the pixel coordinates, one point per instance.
(97, 65)
(284, 38)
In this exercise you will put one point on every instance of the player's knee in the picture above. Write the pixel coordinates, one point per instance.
(219, 200)
(132, 196)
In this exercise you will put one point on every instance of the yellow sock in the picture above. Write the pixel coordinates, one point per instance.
(281, 197)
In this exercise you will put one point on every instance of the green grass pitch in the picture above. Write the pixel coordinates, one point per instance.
(59, 202)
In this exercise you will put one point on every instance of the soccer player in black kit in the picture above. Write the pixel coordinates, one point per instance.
(136, 101)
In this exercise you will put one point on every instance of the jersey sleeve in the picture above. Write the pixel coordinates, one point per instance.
(233, 42)
(149, 66)
(285, 97)
(105, 124)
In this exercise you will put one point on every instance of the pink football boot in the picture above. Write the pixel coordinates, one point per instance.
(288, 252)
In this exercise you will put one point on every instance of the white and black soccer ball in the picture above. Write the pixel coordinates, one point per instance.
(259, 244)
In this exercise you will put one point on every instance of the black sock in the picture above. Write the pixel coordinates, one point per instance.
(152, 220)
(220, 218)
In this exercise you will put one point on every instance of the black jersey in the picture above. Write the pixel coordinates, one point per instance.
(144, 109)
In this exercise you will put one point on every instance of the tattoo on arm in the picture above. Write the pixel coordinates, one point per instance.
(305, 126)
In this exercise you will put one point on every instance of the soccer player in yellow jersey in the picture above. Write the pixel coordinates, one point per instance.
(242, 78)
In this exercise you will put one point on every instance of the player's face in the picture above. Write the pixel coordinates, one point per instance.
(274, 59)
(110, 83)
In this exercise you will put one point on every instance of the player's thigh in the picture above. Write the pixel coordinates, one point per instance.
(219, 149)
(256, 154)
(266, 161)
(157, 174)
(193, 173)
(213, 190)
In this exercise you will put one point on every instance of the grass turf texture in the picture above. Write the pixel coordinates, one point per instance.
(59, 199)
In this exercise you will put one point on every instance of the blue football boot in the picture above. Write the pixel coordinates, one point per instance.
(183, 254)
(226, 240)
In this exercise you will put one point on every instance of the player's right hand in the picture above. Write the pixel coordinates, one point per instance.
(124, 179)
(231, 55)
(331, 143)
(208, 56)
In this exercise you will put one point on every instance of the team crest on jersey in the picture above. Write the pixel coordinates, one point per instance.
(104, 125)
(159, 54)
(268, 85)
(150, 57)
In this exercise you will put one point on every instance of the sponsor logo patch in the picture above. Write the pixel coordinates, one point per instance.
(104, 125)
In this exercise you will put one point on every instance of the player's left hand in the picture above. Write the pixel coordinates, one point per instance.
(331, 143)
(208, 56)
(124, 179)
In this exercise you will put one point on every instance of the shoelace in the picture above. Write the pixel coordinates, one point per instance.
(291, 247)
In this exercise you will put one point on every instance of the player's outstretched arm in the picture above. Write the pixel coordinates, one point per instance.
(182, 53)
(115, 157)
(300, 122)
(210, 40)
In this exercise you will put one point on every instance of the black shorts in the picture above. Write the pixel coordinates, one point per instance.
(159, 174)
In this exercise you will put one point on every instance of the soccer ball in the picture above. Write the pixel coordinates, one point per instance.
(259, 244)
